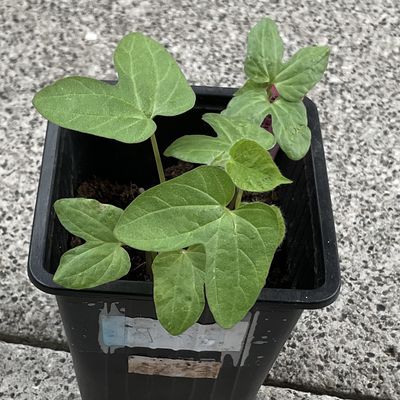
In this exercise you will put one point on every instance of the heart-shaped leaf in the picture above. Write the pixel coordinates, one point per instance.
(252, 169)
(179, 287)
(191, 209)
(289, 124)
(92, 264)
(264, 52)
(203, 149)
(150, 83)
(302, 72)
(88, 218)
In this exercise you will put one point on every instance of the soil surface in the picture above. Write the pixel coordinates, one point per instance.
(122, 194)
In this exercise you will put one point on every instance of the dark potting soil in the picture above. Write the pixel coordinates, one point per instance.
(122, 194)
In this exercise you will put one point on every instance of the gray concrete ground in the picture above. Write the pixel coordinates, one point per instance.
(350, 349)
(49, 375)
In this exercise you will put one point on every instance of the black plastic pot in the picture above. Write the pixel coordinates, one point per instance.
(118, 347)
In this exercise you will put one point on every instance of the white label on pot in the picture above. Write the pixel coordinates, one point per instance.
(117, 330)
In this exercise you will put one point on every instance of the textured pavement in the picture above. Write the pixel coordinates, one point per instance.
(30, 373)
(351, 348)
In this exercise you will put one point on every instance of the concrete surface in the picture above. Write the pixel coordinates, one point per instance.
(350, 349)
(30, 373)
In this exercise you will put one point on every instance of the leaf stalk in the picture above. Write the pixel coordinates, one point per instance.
(150, 256)
(157, 157)
(238, 199)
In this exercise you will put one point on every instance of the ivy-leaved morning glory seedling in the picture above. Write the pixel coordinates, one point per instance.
(202, 243)
(276, 88)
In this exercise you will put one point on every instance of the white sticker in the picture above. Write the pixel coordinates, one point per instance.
(121, 331)
(118, 331)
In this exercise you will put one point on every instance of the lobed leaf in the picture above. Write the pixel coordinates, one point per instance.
(204, 149)
(289, 124)
(179, 288)
(269, 222)
(199, 149)
(250, 103)
(264, 52)
(302, 72)
(251, 168)
(88, 218)
(91, 106)
(171, 215)
(239, 256)
(150, 77)
(150, 83)
(236, 260)
(92, 264)
(191, 209)
(101, 259)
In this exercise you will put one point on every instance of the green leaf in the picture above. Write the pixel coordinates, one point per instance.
(91, 106)
(169, 216)
(302, 72)
(203, 149)
(250, 103)
(252, 169)
(151, 78)
(289, 124)
(179, 288)
(199, 149)
(191, 209)
(88, 218)
(230, 130)
(264, 52)
(270, 224)
(92, 264)
(236, 259)
(150, 83)
(248, 86)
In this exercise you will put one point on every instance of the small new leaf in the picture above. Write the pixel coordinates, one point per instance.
(150, 83)
(252, 169)
(289, 124)
(88, 218)
(264, 52)
(302, 72)
(250, 103)
(92, 264)
(199, 149)
(179, 288)
(202, 149)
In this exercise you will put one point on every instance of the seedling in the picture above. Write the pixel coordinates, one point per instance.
(272, 95)
(203, 243)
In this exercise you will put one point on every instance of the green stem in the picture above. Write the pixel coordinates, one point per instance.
(238, 199)
(150, 256)
(157, 157)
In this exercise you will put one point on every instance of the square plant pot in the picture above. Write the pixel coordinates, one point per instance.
(119, 349)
